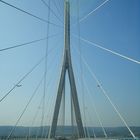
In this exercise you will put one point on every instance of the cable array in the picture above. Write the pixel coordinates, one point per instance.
(25, 76)
(110, 51)
(27, 43)
(94, 10)
(46, 81)
(51, 10)
(106, 95)
(21, 10)
(14, 127)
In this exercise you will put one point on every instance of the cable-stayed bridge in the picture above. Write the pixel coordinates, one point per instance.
(67, 109)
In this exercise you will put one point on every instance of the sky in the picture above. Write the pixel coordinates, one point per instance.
(114, 26)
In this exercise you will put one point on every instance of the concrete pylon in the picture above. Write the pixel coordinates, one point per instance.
(67, 66)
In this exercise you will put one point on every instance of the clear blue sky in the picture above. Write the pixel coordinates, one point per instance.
(114, 26)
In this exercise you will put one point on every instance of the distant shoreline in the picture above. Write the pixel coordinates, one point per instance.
(23, 131)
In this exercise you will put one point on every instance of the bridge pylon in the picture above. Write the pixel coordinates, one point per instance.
(67, 67)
